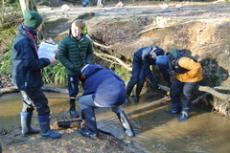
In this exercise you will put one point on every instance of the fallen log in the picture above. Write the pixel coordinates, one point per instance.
(54, 89)
(222, 88)
(153, 103)
(225, 97)
(222, 102)
(195, 101)
(13, 89)
(207, 89)
(6, 90)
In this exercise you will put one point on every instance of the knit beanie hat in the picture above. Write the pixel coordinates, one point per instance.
(32, 19)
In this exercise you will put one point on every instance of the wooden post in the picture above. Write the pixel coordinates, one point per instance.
(27, 5)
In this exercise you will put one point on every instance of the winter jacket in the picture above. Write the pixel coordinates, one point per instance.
(143, 54)
(143, 60)
(26, 69)
(107, 88)
(192, 70)
(74, 54)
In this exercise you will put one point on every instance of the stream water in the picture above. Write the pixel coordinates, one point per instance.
(158, 132)
(11, 104)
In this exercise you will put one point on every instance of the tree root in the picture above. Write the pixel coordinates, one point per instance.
(113, 59)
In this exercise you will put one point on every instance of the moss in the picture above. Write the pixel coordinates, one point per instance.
(122, 72)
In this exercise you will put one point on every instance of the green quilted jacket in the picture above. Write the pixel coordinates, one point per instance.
(74, 54)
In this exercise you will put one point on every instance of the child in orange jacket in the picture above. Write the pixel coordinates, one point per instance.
(188, 74)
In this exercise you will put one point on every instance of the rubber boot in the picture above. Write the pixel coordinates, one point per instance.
(46, 132)
(72, 109)
(91, 126)
(130, 86)
(124, 121)
(139, 87)
(26, 118)
(175, 108)
(183, 116)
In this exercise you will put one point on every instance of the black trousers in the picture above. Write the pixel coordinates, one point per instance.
(35, 98)
(182, 94)
(73, 81)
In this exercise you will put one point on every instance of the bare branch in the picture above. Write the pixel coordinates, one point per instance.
(101, 45)
(113, 58)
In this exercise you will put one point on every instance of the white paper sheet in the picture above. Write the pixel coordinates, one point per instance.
(47, 50)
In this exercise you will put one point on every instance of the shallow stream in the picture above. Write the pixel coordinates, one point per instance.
(158, 132)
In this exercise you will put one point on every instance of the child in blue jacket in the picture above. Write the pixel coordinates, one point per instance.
(27, 76)
(142, 59)
(102, 88)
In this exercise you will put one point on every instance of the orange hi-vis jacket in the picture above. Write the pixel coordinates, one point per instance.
(194, 73)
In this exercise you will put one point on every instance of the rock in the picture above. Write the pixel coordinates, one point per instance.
(163, 6)
(65, 7)
(119, 4)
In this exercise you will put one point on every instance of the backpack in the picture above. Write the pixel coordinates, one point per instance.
(174, 56)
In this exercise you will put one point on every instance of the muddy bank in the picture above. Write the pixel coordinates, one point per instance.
(71, 142)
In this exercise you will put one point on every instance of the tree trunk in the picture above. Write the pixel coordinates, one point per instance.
(27, 5)
(2, 12)
(13, 89)
(31, 5)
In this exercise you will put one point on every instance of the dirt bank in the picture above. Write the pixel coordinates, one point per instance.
(202, 28)
(71, 142)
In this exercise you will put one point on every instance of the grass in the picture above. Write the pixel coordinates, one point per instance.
(6, 37)
(55, 75)
(123, 73)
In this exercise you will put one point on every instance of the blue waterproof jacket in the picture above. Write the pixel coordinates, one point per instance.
(143, 54)
(107, 88)
(26, 69)
(142, 61)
